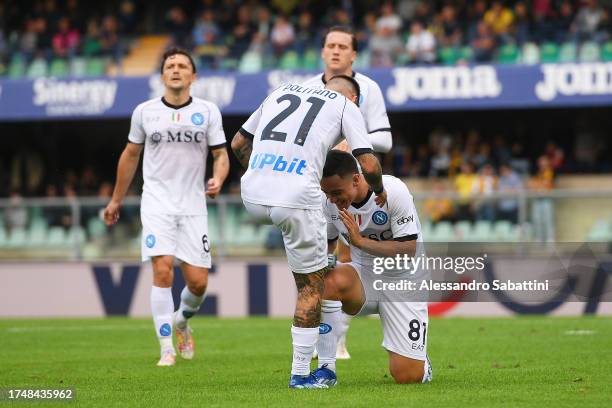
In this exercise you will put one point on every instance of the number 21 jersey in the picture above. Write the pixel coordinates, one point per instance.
(292, 132)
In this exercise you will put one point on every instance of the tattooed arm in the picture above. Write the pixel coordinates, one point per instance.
(242, 146)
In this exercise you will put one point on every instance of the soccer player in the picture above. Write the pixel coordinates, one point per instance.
(372, 232)
(176, 132)
(338, 53)
(283, 146)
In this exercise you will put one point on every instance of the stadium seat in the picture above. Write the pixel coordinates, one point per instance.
(56, 237)
(482, 231)
(3, 241)
(442, 232)
(251, 62)
(38, 231)
(78, 67)
(76, 236)
(17, 67)
(37, 69)
(589, 52)
(508, 54)
(502, 230)
(606, 52)
(601, 231)
(289, 61)
(530, 54)
(95, 67)
(362, 61)
(228, 64)
(567, 52)
(466, 54)
(549, 53)
(463, 231)
(426, 229)
(310, 60)
(96, 228)
(448, 55)
(59, 68)
(17, 238)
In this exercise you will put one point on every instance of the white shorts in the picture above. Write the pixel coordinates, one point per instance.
(304, 234)
(405, 324)
(183, 236)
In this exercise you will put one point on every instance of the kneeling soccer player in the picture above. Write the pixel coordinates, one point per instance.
(372, 232)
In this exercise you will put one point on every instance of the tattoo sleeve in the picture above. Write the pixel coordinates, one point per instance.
(242, 150)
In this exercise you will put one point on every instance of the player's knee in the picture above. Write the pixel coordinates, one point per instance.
(407, 376)
(199, 287)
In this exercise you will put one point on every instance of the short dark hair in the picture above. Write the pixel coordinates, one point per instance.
(339, 163)
(342, 29)
(353, 83)
(176, 51)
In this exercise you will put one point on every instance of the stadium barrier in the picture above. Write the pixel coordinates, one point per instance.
(415, 88)
(236, 288)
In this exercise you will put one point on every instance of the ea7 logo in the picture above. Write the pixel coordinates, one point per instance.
(405, 220)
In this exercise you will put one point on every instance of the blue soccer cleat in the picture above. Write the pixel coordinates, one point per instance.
(325, 376)
(305, 381)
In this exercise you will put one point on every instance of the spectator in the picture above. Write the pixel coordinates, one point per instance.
(66, 40)
(474, 18)
(588, 20)
(306, 36)
(464, 185)
(447, 29)
(522, 24)
(439, 208)
(28, 40)
(421, 45)
(499, 19)
(542, 209)
(178, 26)
(555, 155)
(385, 44)
(484, 185)
(509, 182)
(127, 18)
(242, 33)
(205, 40)
(282, 36)
(264, 22)
(109, 37)
(564, 29)
(92, 43)
(16, 215)
(483, 44)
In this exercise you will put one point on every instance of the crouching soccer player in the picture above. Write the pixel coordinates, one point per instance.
(372, 232)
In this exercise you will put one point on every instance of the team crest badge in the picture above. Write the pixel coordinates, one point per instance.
(197, 119)
(380, 217)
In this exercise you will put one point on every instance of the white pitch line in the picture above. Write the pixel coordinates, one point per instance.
(100, 327)
(580, 332)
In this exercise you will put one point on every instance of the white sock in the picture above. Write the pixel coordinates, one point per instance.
(190, 304)
(343, 326)
(162, 307)
(304, 340)
(331, 321)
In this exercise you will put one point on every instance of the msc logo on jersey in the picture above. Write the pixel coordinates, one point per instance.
(150, 241)
(278, 163)
(380, 217)
(405, 220)
(197, 119)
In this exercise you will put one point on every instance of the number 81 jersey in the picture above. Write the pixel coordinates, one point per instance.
(292, 132)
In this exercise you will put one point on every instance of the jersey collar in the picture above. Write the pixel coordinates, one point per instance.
(325, 82)
(362, 202)
(168, 104)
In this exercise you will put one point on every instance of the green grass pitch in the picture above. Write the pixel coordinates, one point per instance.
(512, 362)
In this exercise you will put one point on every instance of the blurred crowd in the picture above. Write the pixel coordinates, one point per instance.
(392, 32)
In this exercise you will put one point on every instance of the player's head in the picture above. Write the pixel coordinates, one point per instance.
(346, 86)
(178, 70)
(340, 178)
(339, 49)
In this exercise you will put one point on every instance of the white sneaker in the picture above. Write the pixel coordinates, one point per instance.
(168, 359)
(341, 350)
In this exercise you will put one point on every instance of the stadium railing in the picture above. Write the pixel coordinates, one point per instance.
(71, 229)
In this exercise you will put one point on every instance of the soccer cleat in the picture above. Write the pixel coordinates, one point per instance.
(305, 381)
(184, 342)
(325, 376)
(341, 350)
(168, 359)
(429, 371)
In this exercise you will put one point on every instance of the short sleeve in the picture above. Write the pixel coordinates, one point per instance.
(404, 219)
(137, 134)
(216, 136)
(250, 126)
(377, 121)
(353, 128)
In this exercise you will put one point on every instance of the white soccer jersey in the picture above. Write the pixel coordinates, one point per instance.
(397, 220)
(176, 139)
(372, 107)
(292, 132)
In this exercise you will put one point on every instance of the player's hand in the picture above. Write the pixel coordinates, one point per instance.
(213, 187)
(381, 198)
(343, 146)
(111, 213)
(351, 227)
